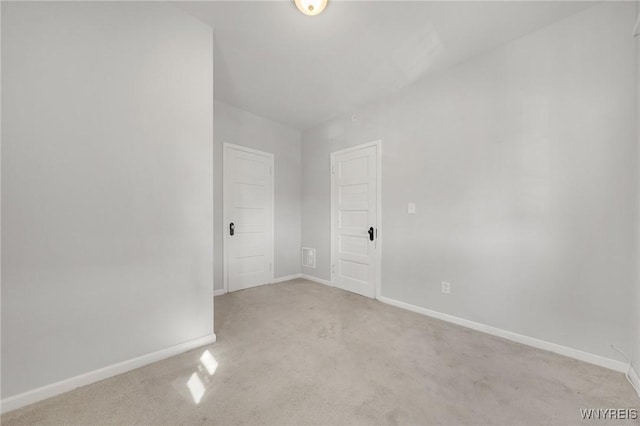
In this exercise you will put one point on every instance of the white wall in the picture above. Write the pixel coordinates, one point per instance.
(636, 351)
(107, 186)
(233, 125)
(522, 163)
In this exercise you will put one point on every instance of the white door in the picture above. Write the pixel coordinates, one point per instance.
(355, 217)
(248, 217)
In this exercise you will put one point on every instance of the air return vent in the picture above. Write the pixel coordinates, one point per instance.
(308, 257)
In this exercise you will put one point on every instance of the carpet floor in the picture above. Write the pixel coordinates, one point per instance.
(298, 353)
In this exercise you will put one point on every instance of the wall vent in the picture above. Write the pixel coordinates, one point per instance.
(308, 257)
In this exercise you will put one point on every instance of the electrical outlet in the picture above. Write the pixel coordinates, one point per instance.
(411, 208)
(446, 287)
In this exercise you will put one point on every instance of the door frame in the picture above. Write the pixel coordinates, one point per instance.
(225, 218)
(378, 145)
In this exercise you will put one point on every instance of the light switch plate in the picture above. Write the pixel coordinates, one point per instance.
(411, 208)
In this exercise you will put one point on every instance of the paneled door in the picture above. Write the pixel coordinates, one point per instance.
(248, 217)
(355, 219)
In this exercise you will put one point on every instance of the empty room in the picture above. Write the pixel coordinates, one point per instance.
(320, 212)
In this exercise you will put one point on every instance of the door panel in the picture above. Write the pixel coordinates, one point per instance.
(248, 204)
(354, 196)
(354, 210)
(353, 219)
(357, 245)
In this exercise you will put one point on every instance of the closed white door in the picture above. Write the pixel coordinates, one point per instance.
(354, 204)
(248, 217)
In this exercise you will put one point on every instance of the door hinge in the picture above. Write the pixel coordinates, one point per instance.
(333, 169)
(270, 267)
(333, 269)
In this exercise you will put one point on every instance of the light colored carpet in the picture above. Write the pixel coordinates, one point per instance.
(302, 353)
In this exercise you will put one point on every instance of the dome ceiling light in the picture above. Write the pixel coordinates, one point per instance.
(311, 7)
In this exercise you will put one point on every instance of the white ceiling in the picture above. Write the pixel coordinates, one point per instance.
(278, 63)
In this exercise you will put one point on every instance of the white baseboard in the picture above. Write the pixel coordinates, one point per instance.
(72, 383)
(635, 379)
(222, 291)
(515, 337)
(316, 279)
(287, 278)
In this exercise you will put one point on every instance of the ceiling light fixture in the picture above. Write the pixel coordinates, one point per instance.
(311, 7)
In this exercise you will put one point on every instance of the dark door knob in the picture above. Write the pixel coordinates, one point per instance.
(232, 228)
(371, 234)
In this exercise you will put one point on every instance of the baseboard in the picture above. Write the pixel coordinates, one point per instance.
(287, 278)
(316, 279)
(635, 380)
(222, 291)
(48, 391)
(601, 361)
